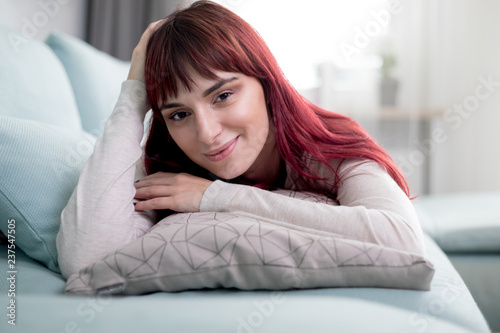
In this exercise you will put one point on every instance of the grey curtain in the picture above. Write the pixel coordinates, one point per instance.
(115, 26)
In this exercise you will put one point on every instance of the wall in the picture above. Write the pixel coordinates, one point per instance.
(36, 18)
(467, 56)
(450, 60)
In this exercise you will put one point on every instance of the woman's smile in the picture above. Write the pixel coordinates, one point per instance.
(222, 152)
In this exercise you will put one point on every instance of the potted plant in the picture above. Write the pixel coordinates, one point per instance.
(388, 83)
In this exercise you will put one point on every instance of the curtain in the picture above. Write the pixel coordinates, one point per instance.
(115, 26)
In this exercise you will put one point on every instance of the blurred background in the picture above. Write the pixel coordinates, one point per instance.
(423, 77)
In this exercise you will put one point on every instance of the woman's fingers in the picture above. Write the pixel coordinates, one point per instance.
(153, 191)
(179, 192)
(152, 204)
(137, 64)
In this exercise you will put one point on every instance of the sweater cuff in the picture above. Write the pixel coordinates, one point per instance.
(212, 200)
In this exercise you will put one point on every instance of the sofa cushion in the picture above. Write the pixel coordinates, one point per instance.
(228, 250)
(40, 166)
(96, 78)
(447, 307)
(33, 277)
(462, 222)
(34, 84)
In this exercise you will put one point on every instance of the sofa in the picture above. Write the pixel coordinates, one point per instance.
(54, 99)
(466, 226)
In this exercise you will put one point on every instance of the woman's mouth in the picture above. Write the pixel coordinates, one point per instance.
(222, 152)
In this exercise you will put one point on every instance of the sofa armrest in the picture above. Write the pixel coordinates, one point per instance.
(462, 222)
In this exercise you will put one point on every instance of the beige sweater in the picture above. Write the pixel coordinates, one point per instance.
(100, 216)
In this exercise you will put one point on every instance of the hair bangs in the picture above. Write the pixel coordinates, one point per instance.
(182, 49)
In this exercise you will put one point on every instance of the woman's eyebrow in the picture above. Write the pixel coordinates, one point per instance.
(218, 85)
(205, 93)
(170, 105)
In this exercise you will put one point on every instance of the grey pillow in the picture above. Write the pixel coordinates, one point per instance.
(229, 250)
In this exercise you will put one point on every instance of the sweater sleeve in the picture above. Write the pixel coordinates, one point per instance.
(372, 208)
(100, 215)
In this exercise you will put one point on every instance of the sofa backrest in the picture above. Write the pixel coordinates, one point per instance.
(34, 84)
(95, 76)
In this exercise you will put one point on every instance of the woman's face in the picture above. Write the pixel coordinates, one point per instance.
(223, 126)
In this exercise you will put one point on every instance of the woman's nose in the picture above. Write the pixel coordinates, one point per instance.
(209, 126)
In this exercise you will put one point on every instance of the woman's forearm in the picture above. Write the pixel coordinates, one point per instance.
(100, 215)
(372, 209)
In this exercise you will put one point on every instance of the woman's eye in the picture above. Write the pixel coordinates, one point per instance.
(223, 96)
(179, 115)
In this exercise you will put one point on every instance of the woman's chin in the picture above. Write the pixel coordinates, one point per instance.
(229, 172)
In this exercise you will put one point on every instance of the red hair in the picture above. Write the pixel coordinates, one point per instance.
(207, 37)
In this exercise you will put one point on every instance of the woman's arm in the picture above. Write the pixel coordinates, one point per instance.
(100, 215)
(372, 208)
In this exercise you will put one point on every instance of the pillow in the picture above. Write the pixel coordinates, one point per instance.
(96, 78)
(462, 222)
(40, 167)
(228, 250)
(34, 84)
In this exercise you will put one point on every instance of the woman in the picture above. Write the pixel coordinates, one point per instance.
(227, 127)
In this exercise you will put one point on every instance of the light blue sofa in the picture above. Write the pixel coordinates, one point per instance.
(55, 97)
(466, 226)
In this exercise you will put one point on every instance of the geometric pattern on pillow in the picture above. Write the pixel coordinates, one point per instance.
(228, 250)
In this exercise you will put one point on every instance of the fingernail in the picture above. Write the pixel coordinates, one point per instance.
(137, 181)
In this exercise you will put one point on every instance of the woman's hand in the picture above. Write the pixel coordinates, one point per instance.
(137, 65)
(180, 192)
